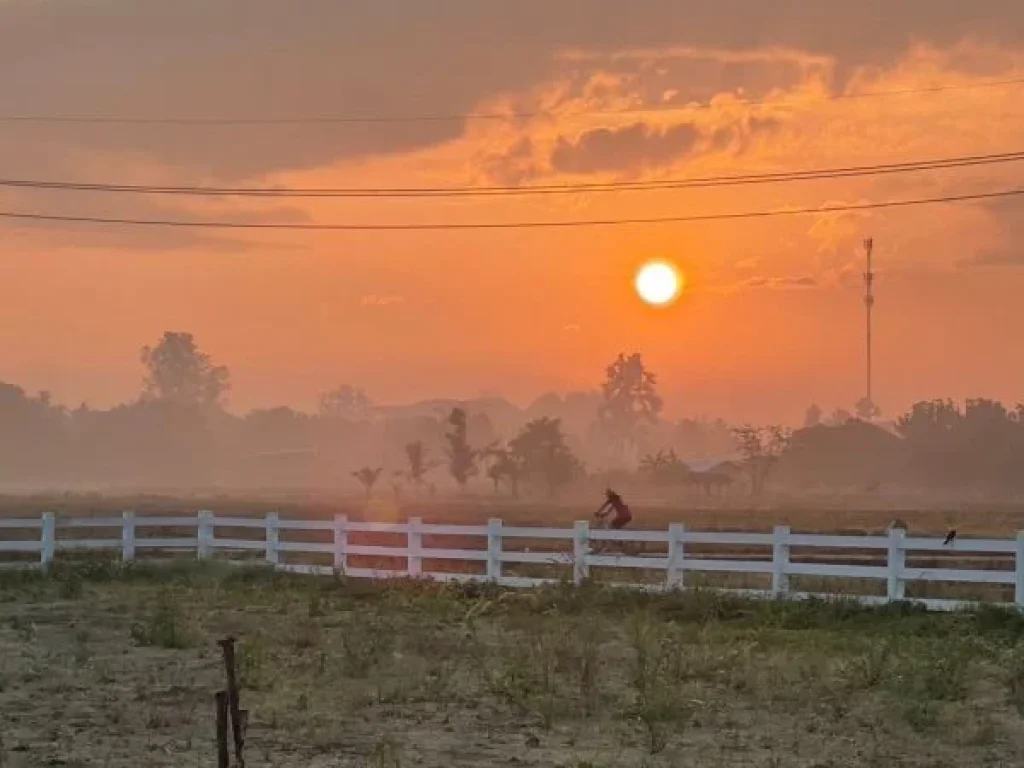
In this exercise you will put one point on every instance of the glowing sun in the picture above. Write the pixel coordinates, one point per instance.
(658, 283)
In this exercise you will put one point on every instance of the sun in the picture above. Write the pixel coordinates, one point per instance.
(658, 283)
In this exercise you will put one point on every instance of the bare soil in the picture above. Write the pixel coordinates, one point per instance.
(103, 666)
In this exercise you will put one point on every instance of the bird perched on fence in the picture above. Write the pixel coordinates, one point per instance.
(949, 537)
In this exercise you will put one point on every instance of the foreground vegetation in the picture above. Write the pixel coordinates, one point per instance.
(114, 666)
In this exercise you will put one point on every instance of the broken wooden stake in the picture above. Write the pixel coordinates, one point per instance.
(237, 726)
(222, 729)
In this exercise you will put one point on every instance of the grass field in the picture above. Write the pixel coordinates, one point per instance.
(106, 666)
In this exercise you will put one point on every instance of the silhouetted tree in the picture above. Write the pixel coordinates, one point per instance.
(981, 444)
(503, 465)
(812, 417)
(419, 462)
(368, 478)
(866, 409)
(542, 453)
(461, 456)
(629, 399)
(178, 371)
(840, 416)
(665, 467)
(346, 402)
(760, 448)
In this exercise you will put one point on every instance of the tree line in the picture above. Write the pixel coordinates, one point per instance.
(177, 433)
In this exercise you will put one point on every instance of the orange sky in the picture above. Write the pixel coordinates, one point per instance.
(772, 319)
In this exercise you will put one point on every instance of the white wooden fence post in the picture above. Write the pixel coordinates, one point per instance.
(897, 559)
(204, 534)
(415, 548)
(674, 577)
(780, 561)
(273, 538)
(340, 544)
(1018, 596)
(580, 547)
(127, 536)
(48, 540)
(494, 549)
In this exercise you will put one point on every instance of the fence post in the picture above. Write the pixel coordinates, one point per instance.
(780, 561)
(340, 544)
(127, 536)
(1018, 596)
(272, 526)
(414, 559)
(674, 577)
(897, 559)
(580, 547)
(204, 535)
(494, 549)
(48, 541)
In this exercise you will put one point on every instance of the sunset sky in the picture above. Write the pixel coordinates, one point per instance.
(772, 318)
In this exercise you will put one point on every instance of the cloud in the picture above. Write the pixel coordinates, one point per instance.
(1008, 216)
(790, 281)
(191, 58)
(637, 146)
(375, 300)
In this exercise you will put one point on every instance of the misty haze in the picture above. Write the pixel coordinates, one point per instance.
(578, 384)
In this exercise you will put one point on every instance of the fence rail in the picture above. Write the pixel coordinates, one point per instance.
(679, 552)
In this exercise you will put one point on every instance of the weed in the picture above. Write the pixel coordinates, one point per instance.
(252, 658)
(166, 627)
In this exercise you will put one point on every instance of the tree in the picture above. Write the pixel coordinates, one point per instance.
(840, 416)
(503, 465)
(419, 462)
(665, 467)
(542, 453)
(760, 448)
(461, 457)
(178, 371)
(368, 478)
(629, 399)
(346, 402)
(866, 409)
(812, 417)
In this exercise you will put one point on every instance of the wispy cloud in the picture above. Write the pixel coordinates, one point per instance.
(378, 300)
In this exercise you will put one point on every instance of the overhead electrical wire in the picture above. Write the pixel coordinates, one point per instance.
(685, 218)
(425, 118)
(538, 189)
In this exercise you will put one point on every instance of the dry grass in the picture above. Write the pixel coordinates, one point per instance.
(105, 666)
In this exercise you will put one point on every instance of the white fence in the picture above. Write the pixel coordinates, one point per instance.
(570, 547)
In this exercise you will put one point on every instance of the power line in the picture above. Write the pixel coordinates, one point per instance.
(515, 224)
(538, 189)
(437, 118)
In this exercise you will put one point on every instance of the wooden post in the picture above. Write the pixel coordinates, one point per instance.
(127, 536)
(780, 561)
(494, 548)
(580, 546)
(237, 729)
(340, 544)
(897, 559)
(1019, 566)
(223, 758)
(674, 575)
(273, 538)
(204, 535)
(414, 548)
(48, 541)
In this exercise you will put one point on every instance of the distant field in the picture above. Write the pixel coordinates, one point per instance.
(738, 513)
(118, 668)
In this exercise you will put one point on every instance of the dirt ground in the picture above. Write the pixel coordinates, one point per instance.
(107, 667)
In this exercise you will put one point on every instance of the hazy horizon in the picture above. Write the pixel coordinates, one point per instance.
(771, 319)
